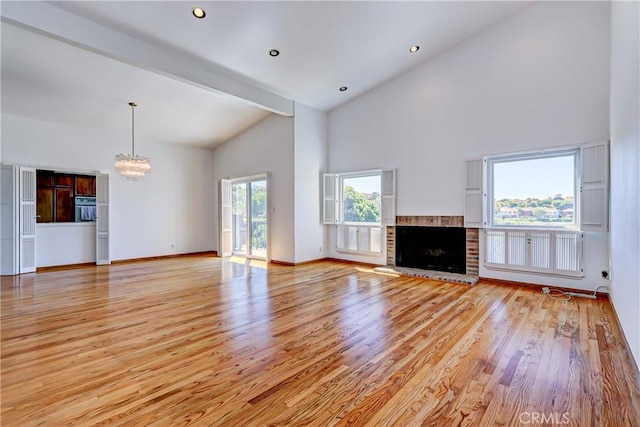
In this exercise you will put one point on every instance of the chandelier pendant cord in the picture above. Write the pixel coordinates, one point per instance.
(133, 124)
(133, 134)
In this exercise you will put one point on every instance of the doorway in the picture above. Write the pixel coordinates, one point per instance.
(249, 217)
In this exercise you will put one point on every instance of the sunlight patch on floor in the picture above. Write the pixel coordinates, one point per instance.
(250, 262)
(371, 270)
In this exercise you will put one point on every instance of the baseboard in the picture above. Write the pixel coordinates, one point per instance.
(348, 261)
(284, 263)
(124, 261)
(536, 285)
(65, 267)
(154, 258)
(627, 347)
(297, 264)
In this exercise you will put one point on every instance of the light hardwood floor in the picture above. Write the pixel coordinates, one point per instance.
(202, 341)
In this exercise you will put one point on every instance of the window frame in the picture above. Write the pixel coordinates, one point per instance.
(332, 213)
(490, 161)
(340, 196)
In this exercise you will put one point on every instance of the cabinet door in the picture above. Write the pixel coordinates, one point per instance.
(45, 179)
(64, 205)
(82, 185)
(45, 205)
(64, 181)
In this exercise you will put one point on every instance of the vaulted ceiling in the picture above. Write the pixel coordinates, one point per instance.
(202, 81)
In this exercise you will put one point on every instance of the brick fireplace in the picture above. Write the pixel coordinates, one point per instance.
(472, 254)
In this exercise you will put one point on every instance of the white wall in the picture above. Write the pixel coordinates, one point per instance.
(168, 212)
(539, 79)
(310, 158)
(65, 243)
(625, 169)
(265, 147)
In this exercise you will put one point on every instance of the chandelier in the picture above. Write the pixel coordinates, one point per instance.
(133, 166)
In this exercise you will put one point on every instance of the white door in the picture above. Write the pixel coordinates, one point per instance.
(103, 252)
(27, 220)
(226, 226)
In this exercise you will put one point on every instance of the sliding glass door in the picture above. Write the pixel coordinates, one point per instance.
(249, 207)
(258, 213)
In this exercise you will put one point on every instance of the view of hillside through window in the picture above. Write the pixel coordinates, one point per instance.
(361, 199)
(537, 192)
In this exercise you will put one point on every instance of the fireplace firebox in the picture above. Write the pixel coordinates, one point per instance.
(431, 248)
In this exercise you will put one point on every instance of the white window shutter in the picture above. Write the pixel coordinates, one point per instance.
(388, 208)
(103, 252)
(473, 194)
(594, 187)
(329, 199)
(226, 219)
(27, 220)
(9, 215)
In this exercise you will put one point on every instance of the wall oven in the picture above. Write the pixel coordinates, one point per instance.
(85, 208)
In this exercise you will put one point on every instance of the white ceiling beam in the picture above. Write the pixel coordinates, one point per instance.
(59, 24)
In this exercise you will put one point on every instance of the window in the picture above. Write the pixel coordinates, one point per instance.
(65, 197)
(535, 206)
(359, 204)
(533, 190)
(360, 199)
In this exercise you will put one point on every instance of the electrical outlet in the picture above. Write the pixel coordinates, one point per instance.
(605, 274)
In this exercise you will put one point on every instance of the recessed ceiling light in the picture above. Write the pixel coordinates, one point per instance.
(198, 12)
(274, 52)
(414, 49)
(343, 88)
